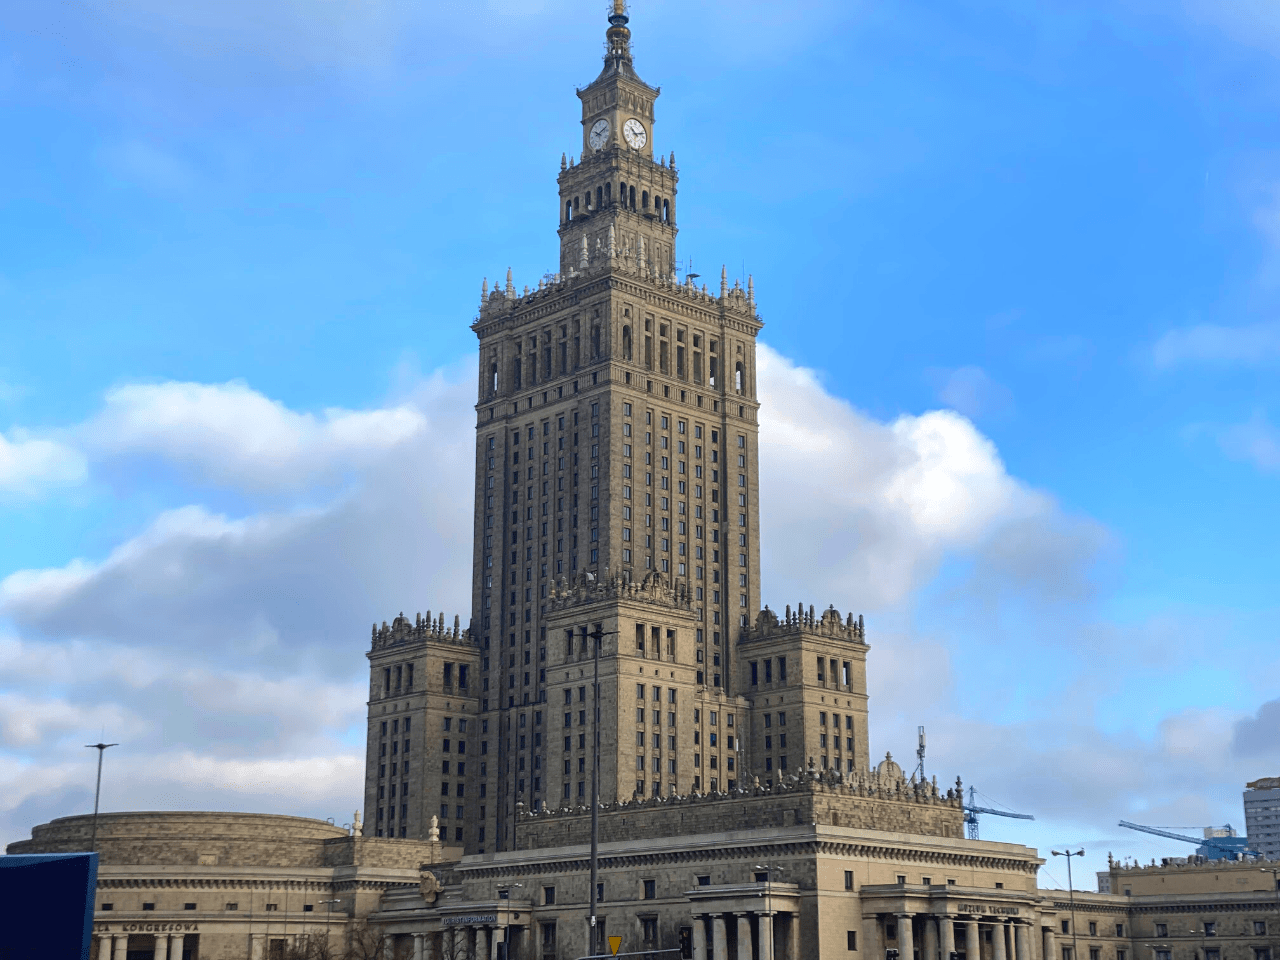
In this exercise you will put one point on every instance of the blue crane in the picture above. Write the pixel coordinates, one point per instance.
(1231, 851)
(971, 811)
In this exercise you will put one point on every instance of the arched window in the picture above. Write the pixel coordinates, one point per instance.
(631, 197)
(644, 200)
(599, 197)
(494, 386)
(608, 193)
(626, 343)
(577, 204)
(595, 340)
(666, 211)
(568, 209)
(737, 376)
(515, 372)
(622, 193)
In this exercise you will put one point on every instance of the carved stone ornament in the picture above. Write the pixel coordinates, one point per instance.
(430, 886)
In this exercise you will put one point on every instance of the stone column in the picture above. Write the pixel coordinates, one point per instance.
(744, 936)
(122, 947)
(997, 941)
(417, 946)
(764, 950)
(906, 937)
(459, 944)
(947, 927)
(493, 944)
(1020, 942)
(699, 937)
(257, 946)
(793, 936)
(482, 943)
(429, 951)
(175, 946)
(719, 939)
(104, 946)
(972, 940)
(1050, 950)
(929, 949)
(389, 949)
(872, 942)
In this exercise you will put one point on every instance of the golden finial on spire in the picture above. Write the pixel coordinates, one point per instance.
(618, 36)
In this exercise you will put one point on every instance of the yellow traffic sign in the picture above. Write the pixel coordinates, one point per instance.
(614, 944)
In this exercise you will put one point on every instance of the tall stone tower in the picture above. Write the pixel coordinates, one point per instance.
(616, 437)
(616, 490)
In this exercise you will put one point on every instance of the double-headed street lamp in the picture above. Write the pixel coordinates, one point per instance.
(1071, 893)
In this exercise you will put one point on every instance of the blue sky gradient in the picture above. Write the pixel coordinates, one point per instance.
(1046, 235)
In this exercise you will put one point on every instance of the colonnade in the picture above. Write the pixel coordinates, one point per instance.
(168, 946)
(455, 942)
(754, 935)
(1010, 938)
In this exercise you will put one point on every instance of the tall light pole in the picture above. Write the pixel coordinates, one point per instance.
(1071, 893)
(1275, 877)
(597, 638)
(97, 791)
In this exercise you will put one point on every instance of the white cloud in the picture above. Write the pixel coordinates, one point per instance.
(1253, 344)
(229, 434)
(149, 166)
(30, 466)
(1256, 441)
(972, 392)
(864, 512)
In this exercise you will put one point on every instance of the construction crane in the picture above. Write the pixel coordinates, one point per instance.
(1231, 851)
(971, 811)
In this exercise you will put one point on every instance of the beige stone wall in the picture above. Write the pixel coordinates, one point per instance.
(807, 804)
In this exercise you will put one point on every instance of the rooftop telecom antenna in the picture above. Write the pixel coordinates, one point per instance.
(920, 756)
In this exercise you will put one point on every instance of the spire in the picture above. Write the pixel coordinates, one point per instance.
(618, 37)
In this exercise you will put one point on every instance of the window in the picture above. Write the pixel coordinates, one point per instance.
(927, 881)
(1210, 928)
(1119, 929)
(229, 906)
(848, 883)
(902, 878)
(1095, 953)
(188, 906)
(1066, 928)
(851, 939)
(152, 906)
(703, 881)
(649, 929)
(1260, 928)
(1093, 929)
(549, 935)
(112, 906)
(548, 895)
(1162, 929)
(650, 889)
(273, 907)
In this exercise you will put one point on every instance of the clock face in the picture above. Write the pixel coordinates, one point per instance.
(633, 130)
(599, 135)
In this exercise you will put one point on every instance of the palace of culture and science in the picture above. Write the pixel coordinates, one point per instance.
(617, 486)
(617, 535)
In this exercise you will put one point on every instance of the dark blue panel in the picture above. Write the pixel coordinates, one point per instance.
(49, 898)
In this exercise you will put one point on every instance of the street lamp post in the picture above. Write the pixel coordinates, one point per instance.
(1071, 893)
(97, 791)
(1275, 878)
(596, 639)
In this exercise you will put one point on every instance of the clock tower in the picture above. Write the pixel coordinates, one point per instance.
(618, 193)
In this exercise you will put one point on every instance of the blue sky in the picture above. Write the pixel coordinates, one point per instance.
(1019, 265)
